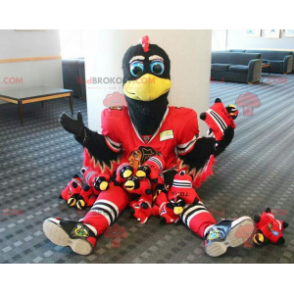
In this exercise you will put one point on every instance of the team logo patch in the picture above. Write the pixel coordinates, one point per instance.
(275, 233)
(80, 231)
(165, 135)
(213, 235)
(140, 155)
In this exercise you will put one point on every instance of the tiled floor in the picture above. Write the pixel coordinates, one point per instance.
(38, 159)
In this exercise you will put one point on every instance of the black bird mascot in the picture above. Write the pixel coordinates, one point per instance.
(149, 128)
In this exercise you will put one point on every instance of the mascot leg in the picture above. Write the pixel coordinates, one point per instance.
(81, 236)
(218, 236)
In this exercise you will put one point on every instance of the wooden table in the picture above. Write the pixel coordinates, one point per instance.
(268, 65)
(35, 94)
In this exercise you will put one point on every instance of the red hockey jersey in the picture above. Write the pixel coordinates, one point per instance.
(176, 134)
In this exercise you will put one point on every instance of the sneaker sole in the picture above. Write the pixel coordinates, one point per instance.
(216, 249)
(57, 235)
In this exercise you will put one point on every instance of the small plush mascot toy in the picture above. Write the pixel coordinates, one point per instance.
(269, 229)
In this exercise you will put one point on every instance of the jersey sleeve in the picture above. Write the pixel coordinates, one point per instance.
(188, 132)
(110, 124)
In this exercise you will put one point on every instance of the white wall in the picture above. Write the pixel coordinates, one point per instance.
(22, 44)
(238, 39)
(218, 40)
(189, 51)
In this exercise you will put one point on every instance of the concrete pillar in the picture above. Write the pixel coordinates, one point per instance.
(189, 52)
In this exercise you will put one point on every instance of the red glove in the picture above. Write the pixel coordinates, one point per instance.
(123, 173)
(152, 169)
(270, 229)
(98, 182)
(219, 119)
(74, 187)
(142, 208)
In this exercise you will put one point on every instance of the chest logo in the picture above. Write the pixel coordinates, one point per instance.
(140, 155)
(165, 135)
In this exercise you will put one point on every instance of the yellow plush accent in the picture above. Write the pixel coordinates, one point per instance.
(178, 210)
(258, 238)
(103, 186)
(147, 88)
(141, 174)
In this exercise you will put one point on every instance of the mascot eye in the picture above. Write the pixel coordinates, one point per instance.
(157, 67)
(136, 69)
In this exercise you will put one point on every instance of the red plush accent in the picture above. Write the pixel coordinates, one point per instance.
(204, 173)
(118, 178)
(160, 209)
(92, 240)
(270, 227)
(89, 196)
(142, 214)
(144, 186)
(182, 187)
(145, 43)
(156, 165)
(218, 119)
(70, 190)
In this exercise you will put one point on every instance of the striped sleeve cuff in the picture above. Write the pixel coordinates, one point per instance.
(114, 146)
(186, 147)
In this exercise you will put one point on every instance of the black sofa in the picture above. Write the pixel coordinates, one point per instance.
(74, 76)
(236, 67)
(281, 61)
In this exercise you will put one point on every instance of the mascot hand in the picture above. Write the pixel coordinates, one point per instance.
(142, 208)
(219, 118)
(71, 125)
(226, 140)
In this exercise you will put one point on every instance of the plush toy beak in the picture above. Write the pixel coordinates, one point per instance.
(178, 210)
(127, 173)
(141, 174)
(130, 185)
(103, 186)
(258, 239)
(147, 88)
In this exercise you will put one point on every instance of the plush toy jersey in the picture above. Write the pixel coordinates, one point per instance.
(218, 118)
(123, 173)
(72, 189)
(270, 229)
(152, 169)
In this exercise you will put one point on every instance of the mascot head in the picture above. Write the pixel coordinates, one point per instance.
(146, 83)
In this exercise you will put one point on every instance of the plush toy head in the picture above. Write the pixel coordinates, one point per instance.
(219, 118)
(182, 189)
(269, 229)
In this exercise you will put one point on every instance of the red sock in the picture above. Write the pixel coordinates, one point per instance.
(197, 218)
(107, 208)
